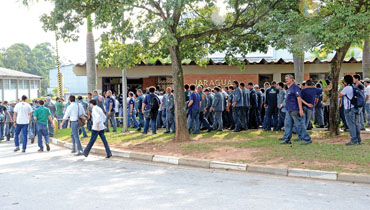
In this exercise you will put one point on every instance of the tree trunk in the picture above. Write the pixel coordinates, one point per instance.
(298, 61)
(182, 133)
(90, 57)
(366, 60)
(124, 101)
(336, 65)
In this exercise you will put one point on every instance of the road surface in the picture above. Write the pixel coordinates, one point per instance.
(58, 180)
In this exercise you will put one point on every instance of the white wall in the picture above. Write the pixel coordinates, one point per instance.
(10, 95)
(34, 93)
(22, 92)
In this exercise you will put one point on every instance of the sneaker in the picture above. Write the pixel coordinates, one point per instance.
(108, 156)
(79, 154)
(23, 150)
(41, 150)
(16, 149)
(351, 143)
(306, 142)
(286, 142)
(73, 151)
(47, 147)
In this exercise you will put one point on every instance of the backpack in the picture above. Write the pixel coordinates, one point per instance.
(154, 104)
(358, 99)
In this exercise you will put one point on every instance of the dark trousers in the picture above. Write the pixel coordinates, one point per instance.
(236, 117)
(203, 120)
(272, 116)
(281, 119)
(94, 136)
(342, 117)
(244, 117)
(253, 121)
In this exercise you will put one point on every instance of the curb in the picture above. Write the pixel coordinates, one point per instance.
(289, 172)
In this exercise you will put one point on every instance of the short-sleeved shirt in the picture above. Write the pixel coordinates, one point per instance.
(291, 98)
(139, 102)
(147, 100)
(59, 107)
(42, 114)
(2, 109)
(309, 95)
(131, 101)
(348, 95)
(23, 110)
(196, 101)
(108, 101)
(367, 91)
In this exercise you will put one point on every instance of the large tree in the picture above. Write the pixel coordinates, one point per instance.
(179, 29)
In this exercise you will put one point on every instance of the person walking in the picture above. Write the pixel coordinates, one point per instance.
(86, 108)
(42, 116)
(59, 111)
(51, 106)
(73, 112)
(131, 111)
(98, 129)
(294, 115)
(110, 112)
(23, 115)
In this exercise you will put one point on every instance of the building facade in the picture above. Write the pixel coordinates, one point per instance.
(15, 84)
(72, 83)
(215, 73)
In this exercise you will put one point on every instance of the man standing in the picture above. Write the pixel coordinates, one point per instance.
(23, 115)
(357, 80)
(150, 108)
(281, 105)
(218, 107)
(351, 113)
(193, 111)
(259, 97)
(74, 111)
(367, 104)
(237, 103)
(5, 118)
(187, 92)
(48, 104)
(253, 121)
(42, 116)
(109, 112)
(139, 104)
(86, 108)
(170, 111)
(294, 115)
(203, 103)
(309, 95)
(271, 106)
(208, 113)
(244, 108)
(59, 111)
(99, 99)
(131, 111)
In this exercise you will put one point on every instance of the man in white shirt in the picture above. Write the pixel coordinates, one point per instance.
(98, 129)
(73, 112)
(23, 115)
(367, 105)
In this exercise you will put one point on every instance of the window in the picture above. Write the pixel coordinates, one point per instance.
(6, 84)
(26, 84)
(20, 84)
(265, 78)
(13, 84)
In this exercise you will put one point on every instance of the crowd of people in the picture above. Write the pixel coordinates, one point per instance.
(294, 108)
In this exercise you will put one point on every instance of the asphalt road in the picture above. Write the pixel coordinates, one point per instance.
(58, 180)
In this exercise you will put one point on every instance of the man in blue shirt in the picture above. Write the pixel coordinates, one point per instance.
(150, 113)
(237, 103)
(170, 111)
(210, 98)
(253, 107)
(203, 103)
(139, 104)
(109, 112)
(218, 106)
(193, 111)
(246, 103)
(309, 96)
(295, 114)
(272, 107)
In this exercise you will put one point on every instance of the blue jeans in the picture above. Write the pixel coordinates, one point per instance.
(294, 119)
(193, 122)
(141, 119)
(281, 119)
(94, 136)
(2, 131)
(362, 123)
(217, 122)
(83, 131)
(120, 114)
(272, 116)
(75, 136)
(170, 120)
(367, 109)
(319, 115)
(243, 117)
(113, 121)
(133, 118)
(163, 116)
(18, 129)
(353, 122)
(236, 117)
(8, 130)
(153, 122)
(42, 131)
(307, 116)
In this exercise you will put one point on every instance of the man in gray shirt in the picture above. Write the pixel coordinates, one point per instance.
(218, 107)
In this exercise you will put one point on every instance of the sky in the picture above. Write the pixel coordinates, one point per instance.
(20, 24)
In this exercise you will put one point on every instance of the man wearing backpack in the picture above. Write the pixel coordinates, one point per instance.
(352, 101)
(361, 87)
(150, 109)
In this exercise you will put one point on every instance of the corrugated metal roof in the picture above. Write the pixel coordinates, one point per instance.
(8, 73)
(248, 62)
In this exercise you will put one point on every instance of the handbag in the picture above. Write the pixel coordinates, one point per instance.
(81, 119)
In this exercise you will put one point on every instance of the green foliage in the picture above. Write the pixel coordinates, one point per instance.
(34, 61)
